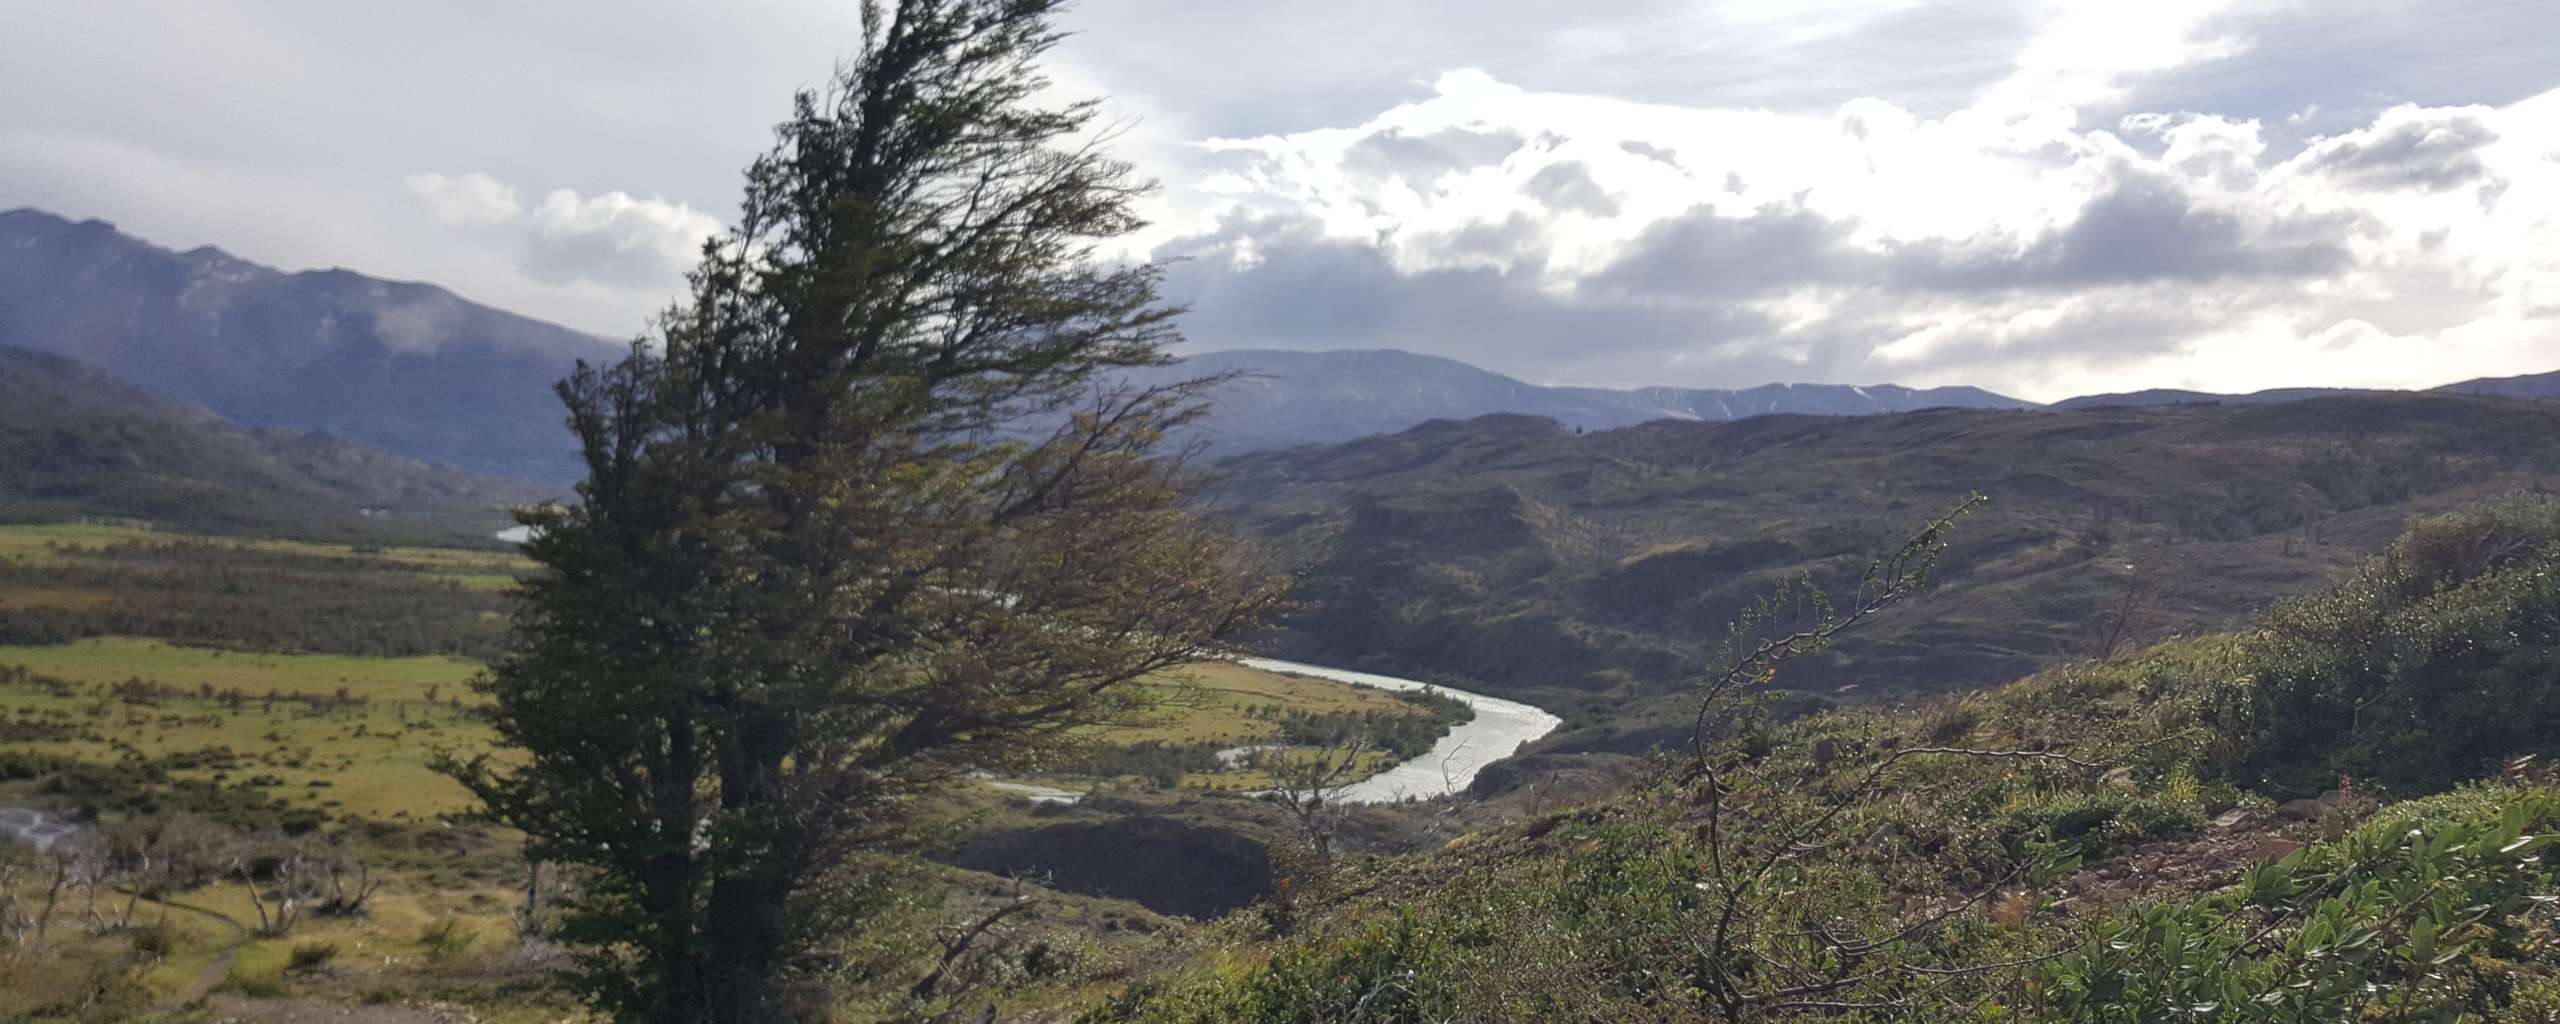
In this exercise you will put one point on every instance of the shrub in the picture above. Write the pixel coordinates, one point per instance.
(75, 987)
(2430, 666)
(444, 940)
(153, 941)
(311, 956)
(252, 985)
(2407, 915)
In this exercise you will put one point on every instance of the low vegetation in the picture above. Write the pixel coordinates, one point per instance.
(867, 521)
(59, 582)
(1588, 573)
(209, 758)
(2092, 844)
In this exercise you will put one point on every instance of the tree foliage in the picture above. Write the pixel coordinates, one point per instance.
(871, 515)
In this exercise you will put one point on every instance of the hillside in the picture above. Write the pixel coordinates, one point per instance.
(75, 441)
(2541, 385)
(2335, 815)
(2175, 396)
(1591, 571)
(1290, 398)
(410, 367)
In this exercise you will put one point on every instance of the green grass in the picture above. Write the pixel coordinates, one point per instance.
(57, 543)
(116, 659)
(367, 755)
(350, 738)
(374, 749)
(1216, 702)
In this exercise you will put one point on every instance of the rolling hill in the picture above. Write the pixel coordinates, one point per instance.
(2542, 385)
(1590, 570)
(75, 441)
(1288, 398)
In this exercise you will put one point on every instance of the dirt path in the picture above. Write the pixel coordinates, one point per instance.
(213, 972)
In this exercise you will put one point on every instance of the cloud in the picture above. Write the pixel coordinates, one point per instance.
(1568, 186)
(2143, 229)
(2037, 196)
(1583, 239)
(1704, 255)
(2407, 147)
(1420, 160)
(613, 238)
(473, 198)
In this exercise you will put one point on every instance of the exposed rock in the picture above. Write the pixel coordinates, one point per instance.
(2272, 849)
(2301, 810)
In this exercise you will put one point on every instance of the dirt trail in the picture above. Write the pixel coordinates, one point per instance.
(214, 971)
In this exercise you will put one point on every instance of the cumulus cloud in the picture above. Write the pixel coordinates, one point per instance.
(2013, 243)
(2044, 197)
(613, 238)
(2408, 147)
(2144, 229)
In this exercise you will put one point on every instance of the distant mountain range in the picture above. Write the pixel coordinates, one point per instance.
(422, 372)
(1283, 398)
(75, 441)
(410, 367)
(2540, 385)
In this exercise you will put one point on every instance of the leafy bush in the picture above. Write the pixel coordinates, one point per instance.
(2430, 666)
(2096, 820)
(2411, 916)
(311, 956)
(444, 940)
(153, 940)
(73, 986)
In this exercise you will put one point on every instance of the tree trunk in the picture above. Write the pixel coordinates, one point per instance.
(746, 921)
(668, 886)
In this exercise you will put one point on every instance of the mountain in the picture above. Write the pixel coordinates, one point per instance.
(2545, 385)
(1586, 571)
(1283, 398)
(74, 440)
(2175, 396)
(420, 371)
(409, 367)
(2540, 385)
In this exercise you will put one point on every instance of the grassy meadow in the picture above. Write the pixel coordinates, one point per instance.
(350, 735)
(274, 686)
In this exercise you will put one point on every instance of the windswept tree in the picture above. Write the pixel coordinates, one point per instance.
(870, 514)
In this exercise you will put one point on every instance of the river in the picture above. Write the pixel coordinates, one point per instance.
(1500, 728)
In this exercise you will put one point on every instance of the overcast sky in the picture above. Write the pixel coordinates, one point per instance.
(2043, 199)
